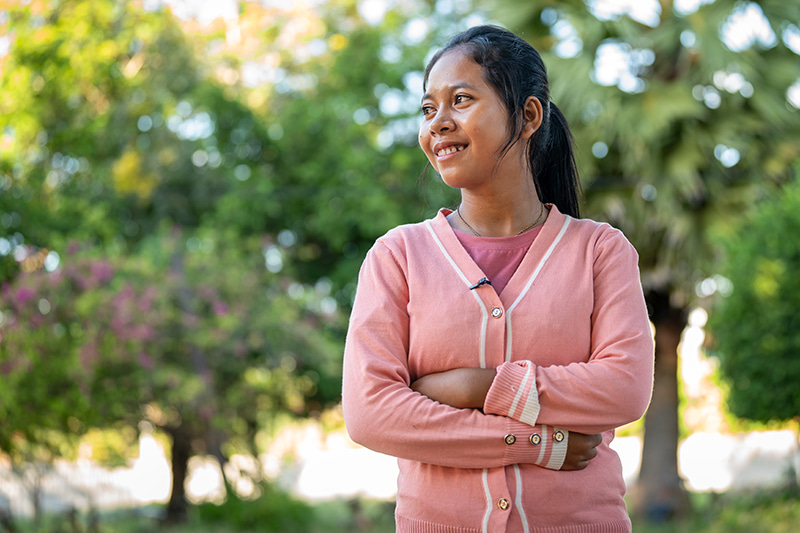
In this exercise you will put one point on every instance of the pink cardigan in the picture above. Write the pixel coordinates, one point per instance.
(573, 347)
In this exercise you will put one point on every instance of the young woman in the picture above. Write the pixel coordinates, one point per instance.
(494, 348)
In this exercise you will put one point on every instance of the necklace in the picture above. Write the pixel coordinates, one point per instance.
(541, 212)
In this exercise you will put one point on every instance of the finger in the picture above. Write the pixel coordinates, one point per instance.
(586, 455)
(579, 465)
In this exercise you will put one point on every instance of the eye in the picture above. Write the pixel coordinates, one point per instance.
(461, 98)
(426, 110)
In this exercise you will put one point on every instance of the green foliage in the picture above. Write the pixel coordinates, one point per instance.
(274, 510)
(767, 512)
(109, 157)
(77, 81)
(112, 447)
(756, 329)
(326, 178)
(184, 336)
(774, 511)
(220, 224)
(675, 137)
(649, 150)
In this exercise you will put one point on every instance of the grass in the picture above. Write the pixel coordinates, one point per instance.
(776, 511)
(772, 511)
(274, 511)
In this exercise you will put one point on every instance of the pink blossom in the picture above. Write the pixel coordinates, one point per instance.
(83, 283)
(6, 367)
(71, 272)
(102, 271)
(143, 332)
(89, 354)
(126, 293)
(146, 361)
(220, 308)
(146, 301)
(190, 321)
(24, 295)
(56, 277)
(118, 328)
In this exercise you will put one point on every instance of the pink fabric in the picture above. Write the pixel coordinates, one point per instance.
(498, 257)
(571, 341)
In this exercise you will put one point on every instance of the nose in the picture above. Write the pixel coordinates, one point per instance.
(442, 122)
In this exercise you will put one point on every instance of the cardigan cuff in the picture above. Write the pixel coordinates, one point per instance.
(542, 445)
(513, 393)
(559, 453)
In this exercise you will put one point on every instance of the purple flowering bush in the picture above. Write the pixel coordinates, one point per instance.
(207, 346)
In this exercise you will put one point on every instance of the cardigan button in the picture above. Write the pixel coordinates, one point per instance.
(497, 312)
(510, 439)
(559, 436)
(536, 439)
(503, 504)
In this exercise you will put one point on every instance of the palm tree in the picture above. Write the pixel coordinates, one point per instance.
(681, 117)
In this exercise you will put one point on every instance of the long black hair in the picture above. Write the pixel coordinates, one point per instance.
(516, 71)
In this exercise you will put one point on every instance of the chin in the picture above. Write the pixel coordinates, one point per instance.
(454, 182)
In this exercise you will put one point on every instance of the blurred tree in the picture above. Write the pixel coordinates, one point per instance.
(340, 107)
(193, 334)
(89, 92)
(111, 130)
(681, 117)
(284, 118)
(284, 138)
(756, 329)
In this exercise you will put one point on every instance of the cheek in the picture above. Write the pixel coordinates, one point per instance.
(426, 148)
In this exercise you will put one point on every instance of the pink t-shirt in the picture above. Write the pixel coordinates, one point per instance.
(498, 257)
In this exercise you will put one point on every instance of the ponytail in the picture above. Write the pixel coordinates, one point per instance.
(553, 165)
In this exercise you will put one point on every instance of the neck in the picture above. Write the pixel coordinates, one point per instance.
(498, 217)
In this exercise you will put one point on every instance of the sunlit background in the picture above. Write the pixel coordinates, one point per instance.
(187, 190)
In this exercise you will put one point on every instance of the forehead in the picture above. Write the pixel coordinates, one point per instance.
(455, 68)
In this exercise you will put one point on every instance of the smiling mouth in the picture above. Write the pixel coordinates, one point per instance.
(449, 150)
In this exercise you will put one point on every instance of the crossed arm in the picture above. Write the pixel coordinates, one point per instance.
(612, 388)
(466, 388)
(602, 394)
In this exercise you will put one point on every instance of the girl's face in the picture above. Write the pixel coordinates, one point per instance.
(465, 126)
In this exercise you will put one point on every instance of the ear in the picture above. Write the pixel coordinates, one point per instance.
(533, 117)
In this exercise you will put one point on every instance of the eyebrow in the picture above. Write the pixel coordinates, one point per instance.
(456, 86)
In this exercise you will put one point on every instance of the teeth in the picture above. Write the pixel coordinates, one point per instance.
(449, 150)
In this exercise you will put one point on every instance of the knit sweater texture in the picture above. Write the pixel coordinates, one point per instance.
(573, 349)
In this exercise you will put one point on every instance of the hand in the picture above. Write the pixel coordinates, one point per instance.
(462, 388)
(580, 450)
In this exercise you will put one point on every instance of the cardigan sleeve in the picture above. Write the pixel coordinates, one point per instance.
(384, 414)
(614, 386)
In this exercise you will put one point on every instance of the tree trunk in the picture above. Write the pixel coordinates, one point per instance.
(181, 451)
(7, 521)
(796, 456)
(214, 441)
(659, 495)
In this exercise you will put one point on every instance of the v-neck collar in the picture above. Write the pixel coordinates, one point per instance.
(537, 252)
